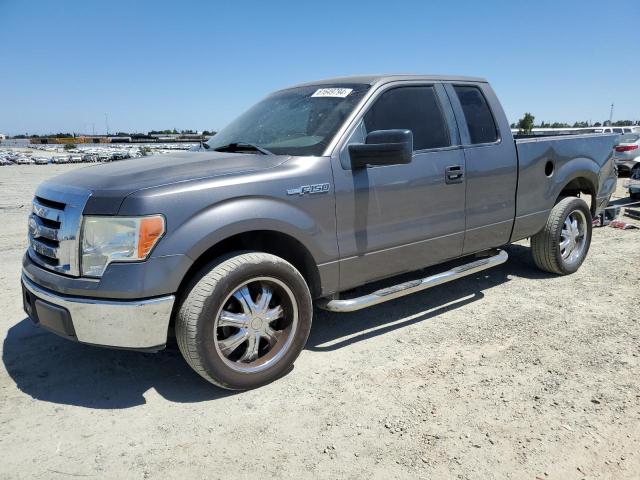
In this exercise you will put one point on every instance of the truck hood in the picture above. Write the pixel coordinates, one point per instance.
(110, 183)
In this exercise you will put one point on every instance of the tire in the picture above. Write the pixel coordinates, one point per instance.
(244, 320)
(548, 253)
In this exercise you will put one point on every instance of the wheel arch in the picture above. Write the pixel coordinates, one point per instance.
(580, 177)
(274, 242)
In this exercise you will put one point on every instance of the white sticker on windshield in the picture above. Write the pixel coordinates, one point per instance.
(332, 92)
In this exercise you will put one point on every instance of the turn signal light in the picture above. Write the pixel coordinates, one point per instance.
(151, 229)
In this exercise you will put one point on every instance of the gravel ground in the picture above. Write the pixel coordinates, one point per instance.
(510, 374)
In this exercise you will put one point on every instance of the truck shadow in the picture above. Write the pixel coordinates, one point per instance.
(332, 331)
(52, 369)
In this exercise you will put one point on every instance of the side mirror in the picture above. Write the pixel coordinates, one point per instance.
(382, 147)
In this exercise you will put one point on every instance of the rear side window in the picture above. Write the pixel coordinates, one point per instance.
(412, 108)
(480, 123)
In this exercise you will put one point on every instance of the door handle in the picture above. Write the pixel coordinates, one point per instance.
(453, 174)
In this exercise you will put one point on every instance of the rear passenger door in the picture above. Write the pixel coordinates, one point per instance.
(491, 166)
(399, 218)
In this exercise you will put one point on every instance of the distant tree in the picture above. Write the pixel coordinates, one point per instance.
(525, 124)
(69, 146)
(560, 125)
(208, 133)
(597, 124)
(580, 124)
(623, 123)
(544, 125)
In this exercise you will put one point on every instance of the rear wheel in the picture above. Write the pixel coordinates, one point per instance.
(245, 320)
(562, 245)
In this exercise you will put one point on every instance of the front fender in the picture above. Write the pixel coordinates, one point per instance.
(240, 215)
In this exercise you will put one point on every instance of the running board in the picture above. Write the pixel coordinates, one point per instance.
(497, 257)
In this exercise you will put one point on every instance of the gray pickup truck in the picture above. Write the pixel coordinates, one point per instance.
(316, 190)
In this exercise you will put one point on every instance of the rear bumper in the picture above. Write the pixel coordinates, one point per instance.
(133, 324)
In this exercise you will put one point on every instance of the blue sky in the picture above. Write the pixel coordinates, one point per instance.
(188, 64)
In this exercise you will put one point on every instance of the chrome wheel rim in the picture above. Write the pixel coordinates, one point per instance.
(256, 324)
(573, 237)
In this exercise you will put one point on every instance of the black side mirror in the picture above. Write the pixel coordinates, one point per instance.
(382, 147)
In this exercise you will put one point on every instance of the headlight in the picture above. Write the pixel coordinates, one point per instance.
(117, 239)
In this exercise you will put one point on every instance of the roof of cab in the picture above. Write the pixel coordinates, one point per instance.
(376, 79)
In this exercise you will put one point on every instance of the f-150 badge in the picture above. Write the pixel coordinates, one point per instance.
(309, 189)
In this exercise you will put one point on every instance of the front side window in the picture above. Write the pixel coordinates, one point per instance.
(297, 121)
(480, 123)
(413, 108)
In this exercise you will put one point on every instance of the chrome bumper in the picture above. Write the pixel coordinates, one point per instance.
(135, 324)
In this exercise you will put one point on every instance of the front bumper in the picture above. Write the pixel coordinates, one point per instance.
(134, 324)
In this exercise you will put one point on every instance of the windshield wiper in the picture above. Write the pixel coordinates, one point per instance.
(242, 147)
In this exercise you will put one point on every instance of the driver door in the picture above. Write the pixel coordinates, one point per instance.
(397, 218)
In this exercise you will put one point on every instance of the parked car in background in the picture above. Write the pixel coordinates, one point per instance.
(23, 160)
(40, 160)
(627, 152)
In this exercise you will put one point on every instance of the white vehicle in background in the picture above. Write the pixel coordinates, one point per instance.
(627, 153)
(569, 131)
(40, 160)
(23, 160)
(621, 130)
(60, 159)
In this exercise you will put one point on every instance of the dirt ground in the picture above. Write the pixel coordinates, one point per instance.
(512, 373)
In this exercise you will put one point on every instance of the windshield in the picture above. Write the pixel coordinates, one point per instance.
(298, 121)
(629, 138)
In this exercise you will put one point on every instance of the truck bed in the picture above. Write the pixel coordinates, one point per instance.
(547, 164)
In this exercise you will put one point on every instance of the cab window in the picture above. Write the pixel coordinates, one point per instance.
(413, 108)
(477, 114)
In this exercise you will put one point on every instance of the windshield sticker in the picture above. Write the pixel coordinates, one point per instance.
(332, 92)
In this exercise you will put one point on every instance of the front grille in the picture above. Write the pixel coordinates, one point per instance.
(54, 226)
(45, 223)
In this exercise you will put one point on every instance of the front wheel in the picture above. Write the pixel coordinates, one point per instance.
(244, 320)
(562, 245)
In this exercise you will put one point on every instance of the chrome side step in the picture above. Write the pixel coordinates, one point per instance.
(497, 257)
